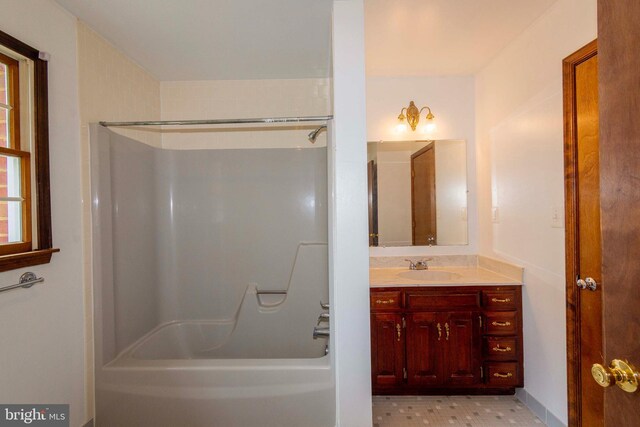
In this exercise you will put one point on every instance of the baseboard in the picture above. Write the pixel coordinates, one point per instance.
(538, 409)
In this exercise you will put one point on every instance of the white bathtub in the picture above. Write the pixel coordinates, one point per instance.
(181, 375)
(172, 239)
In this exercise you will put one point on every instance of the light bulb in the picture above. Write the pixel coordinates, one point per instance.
(401, 127)
(429, 127)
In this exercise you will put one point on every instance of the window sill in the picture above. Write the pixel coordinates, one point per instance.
(26, 259)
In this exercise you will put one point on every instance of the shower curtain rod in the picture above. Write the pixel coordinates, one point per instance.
(220, 121)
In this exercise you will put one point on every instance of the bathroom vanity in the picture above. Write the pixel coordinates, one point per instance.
(445, 331)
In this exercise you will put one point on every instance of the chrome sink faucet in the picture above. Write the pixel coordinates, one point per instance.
(420, 265)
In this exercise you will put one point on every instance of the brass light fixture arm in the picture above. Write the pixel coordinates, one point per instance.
(430, 115)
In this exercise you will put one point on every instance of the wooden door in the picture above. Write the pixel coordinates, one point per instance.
(425, 338)
(619, 103)
(372, 187)
(461, 356)
(583, 235)
(423, 196)
(387, 349)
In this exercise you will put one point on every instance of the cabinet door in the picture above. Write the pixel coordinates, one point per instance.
(425, 340)
(387, 349)
(462, 352)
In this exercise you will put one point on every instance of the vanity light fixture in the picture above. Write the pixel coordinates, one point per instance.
(413, 117)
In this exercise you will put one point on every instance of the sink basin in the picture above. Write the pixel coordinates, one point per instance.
(428, 275)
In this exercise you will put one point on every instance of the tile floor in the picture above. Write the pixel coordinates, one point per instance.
(467, 411)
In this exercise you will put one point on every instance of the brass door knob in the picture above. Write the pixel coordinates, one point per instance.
(619, 372)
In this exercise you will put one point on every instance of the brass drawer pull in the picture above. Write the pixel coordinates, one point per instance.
(398, 329)
(501, 300)
(385, 301)
(501, 349)
(496, 323)
(439, 331)
(500, 375)
(446, 327)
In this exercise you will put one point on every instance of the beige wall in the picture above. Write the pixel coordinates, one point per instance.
(114, 88)
(192, 100)
(42, 331)
(520, 172)
(111, 88)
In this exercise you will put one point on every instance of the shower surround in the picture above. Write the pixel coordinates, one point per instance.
(183, 243)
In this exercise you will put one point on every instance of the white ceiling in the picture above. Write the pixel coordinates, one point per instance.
(280, 39)
(442, 37)
(216, 39)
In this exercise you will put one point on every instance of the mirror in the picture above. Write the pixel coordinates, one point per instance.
(417, 193)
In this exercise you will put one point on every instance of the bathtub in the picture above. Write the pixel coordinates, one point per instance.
(203, 317)
(182, 374)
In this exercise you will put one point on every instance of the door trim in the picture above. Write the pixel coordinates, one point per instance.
(571, 223)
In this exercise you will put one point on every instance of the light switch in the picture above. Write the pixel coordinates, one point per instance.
(495, 218)
(557, 217)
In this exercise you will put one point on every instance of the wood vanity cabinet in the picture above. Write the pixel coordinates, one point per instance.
(453, 339)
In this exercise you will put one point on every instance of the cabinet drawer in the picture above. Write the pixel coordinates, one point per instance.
(499, 300)
(381, 300)
(501, 323)
(433, 300)
(500, 348)
(502, 374)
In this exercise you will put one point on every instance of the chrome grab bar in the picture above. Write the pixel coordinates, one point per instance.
(26, 281)
(270, 292)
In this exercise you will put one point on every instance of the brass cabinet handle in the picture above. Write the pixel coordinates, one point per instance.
(398, 329)
(439, 331)
(446, 327)
(501, 349)
(501, 300)
(385, 301)
(496, 323)
(619, 372)
(500, 375)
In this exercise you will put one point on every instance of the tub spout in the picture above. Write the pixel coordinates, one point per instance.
(320, 332)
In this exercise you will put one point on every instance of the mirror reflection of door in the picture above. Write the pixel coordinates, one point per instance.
(372, 185)
(423, 196)
(391, 216)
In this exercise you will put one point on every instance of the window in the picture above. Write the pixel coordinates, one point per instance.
(15, 185)
(25, 217)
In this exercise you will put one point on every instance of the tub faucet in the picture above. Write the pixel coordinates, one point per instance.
(324, 317)
(320, 332)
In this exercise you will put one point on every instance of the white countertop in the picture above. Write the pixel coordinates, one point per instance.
(461, 276)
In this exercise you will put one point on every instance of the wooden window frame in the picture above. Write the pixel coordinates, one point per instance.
(24, 254)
